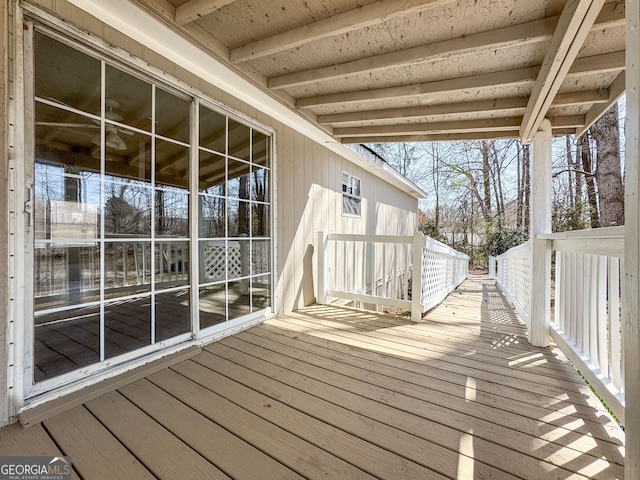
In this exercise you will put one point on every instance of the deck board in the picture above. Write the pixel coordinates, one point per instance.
(338, 393)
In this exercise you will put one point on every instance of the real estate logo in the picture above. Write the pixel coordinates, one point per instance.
(35, 468)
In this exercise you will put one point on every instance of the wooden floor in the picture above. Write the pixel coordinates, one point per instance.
(334, 393)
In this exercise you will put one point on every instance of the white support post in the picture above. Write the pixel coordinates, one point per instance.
(323, 244)
(631, 283)
(416, 278)
(540, 298)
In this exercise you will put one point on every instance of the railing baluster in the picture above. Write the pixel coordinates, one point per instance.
(614, 323)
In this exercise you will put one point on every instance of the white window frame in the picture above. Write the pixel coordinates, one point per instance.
(346, 182)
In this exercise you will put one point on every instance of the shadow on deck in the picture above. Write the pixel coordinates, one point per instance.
(332, 392)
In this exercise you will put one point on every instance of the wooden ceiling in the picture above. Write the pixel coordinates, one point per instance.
(419, 70)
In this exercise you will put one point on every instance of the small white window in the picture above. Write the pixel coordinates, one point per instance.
(351, 199)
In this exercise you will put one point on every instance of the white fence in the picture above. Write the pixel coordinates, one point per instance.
(379, 270)
(586, 325)
(514, 279)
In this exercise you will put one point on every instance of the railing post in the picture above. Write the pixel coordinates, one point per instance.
(323, 245)
(492, 267)
(631, 265)
(416, 278)
(540, 283)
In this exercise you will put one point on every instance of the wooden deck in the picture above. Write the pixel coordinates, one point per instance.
(335, 393)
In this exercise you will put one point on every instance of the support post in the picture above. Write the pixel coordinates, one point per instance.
(323, 245)
(492, 268)
(540, 285)
(631, 284)
(416, 278)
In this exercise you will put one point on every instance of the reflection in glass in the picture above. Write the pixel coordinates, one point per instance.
(239, 299)
(239, 258)
(212, 220)
(66, 341)
(127, 268)
(172, 213)
(127, 325)
(260, 220)
(213, 130)
(127, 99)
(260, 150)
(171, 264)
(65, 75)
(239, 140)
(173, 316)
(172, 116)
(261, 292)
(213, 261)
(128, 154)
(211, 173)
(237, 218)
(239, 179)
(66, 206)
(66, 275)
(127, 210)
(212, 305)
(260, 257)
(66, 139)
(172, 164)
(260, 185)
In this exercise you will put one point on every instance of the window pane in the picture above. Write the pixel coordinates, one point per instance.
(238, 184)
(172, 213)
(172, 164)
(172, 116)
(66, 139)
(351, 205)
(212, 219)
(127, 210)
(66, 341)
(212, 173)
(213, 299)
(239, 140)
(239, 299)
(127, 326)
(213, 130)
(173, 316)
(128, 154)
(261, 292)
(238, 258)
(127, 99)
(65, 75)
(260, 257)
(127, 268)
(172, 264)
(260, 220)
(213, 261)
(260, 150)
(260, 185)
(237, 218)
(66, 275)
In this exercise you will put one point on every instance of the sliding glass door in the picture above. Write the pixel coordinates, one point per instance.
(115, 254)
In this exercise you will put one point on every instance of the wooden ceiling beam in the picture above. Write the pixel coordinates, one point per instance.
(438, 137)
(521, 34)
(614, 92)
(576, 21)
(607, 62)
(194, 9)
(357, 18)
(465, 126)
(504, 106)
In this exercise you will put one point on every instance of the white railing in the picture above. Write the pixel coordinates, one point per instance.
(588, 275)
(378, 270)
(586, 321)
(513, 277)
